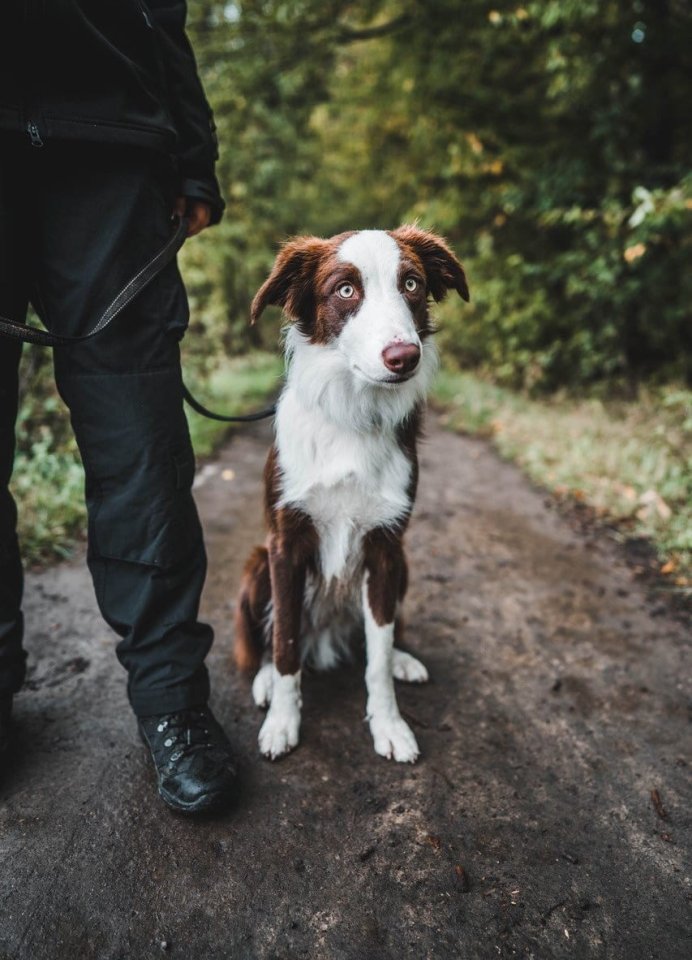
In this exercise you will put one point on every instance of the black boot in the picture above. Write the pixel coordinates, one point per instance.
(194, 762)
(5, 722)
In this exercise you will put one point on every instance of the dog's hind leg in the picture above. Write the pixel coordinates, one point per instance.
(252, 611)
(263, 685)
(407, 668)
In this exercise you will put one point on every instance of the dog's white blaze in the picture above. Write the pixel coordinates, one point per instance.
(391, 734)
(384, 316)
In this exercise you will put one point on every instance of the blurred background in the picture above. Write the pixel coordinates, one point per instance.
(549, 142)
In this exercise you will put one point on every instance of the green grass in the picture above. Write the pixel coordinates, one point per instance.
(631, 461)
(48, 480)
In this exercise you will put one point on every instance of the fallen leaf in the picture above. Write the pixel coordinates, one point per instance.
(653, 504)
(669, 567)
(474, 143)
(658, 804)
(634, 252)
(462, 878)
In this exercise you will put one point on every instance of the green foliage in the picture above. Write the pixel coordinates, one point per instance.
(48, 479)
(630, 461)
(549, 141)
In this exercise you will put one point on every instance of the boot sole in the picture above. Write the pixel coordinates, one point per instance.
(209, 803)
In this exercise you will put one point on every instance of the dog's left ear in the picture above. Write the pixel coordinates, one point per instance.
(442, 269)
(290, 284)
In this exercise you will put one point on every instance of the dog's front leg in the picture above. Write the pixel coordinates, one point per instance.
(279, 733)
(391, 734)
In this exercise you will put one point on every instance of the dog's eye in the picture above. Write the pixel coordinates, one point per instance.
(411, 284)
(346, 290)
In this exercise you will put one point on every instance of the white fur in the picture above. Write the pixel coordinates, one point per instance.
(391, 734)
(262, 685)
(405, 667)
(408, 668)
(279, 733)
(321, 378)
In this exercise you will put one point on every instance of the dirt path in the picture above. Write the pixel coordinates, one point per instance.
(557, 704)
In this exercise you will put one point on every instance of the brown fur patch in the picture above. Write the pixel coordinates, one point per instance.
(386, 566)
(409, 433)
(412, 266)
(332, 311)
(255, 594)
(292, 282)
(292, 548)
(442, 269)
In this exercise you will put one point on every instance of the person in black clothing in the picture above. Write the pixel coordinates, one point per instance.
(104, 132)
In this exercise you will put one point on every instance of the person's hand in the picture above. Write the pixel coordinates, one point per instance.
(198, 214)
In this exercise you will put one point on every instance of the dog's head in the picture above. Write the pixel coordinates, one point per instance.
(366, 294)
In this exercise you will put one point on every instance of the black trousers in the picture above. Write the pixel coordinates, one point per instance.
(77, 220)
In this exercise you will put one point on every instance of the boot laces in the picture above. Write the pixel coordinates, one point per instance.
(186, 729)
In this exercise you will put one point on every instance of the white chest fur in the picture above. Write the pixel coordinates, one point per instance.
(348, 481)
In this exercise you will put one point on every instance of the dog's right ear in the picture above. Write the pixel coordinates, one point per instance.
(291, 283)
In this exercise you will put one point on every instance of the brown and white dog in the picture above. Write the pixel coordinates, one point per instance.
(341, 476)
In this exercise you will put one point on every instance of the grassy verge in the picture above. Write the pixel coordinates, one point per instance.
(631, 462)
(48, 480)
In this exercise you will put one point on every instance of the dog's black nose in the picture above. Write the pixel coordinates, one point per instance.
(401, 358)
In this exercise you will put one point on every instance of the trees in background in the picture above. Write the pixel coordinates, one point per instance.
(549, 141)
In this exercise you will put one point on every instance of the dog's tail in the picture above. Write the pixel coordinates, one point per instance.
(252, 610)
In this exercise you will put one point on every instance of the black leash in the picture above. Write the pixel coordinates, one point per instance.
(20, 331)
(238, 418)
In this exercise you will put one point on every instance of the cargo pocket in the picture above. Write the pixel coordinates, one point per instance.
(158, 525)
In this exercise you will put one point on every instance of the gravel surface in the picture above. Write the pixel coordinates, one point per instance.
(548, 817)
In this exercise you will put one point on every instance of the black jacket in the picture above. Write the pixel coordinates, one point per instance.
(113, 71)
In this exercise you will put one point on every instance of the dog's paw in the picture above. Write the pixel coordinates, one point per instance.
(407, 668)
(394, 739)
(279, 733)
(262, 685)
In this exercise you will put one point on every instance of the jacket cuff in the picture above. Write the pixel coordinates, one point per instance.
(208, 192)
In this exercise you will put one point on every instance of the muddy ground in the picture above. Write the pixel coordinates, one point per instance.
(558, 702)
